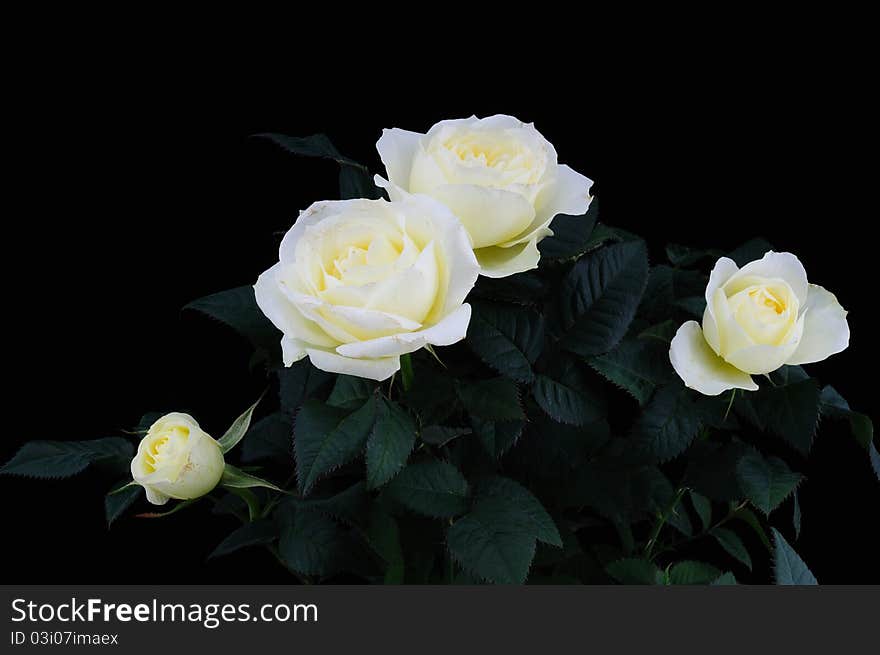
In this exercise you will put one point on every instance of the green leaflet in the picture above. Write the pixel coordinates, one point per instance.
(432, 488)
(491, 400)
(269, 439)
(355, 180)
(571, 235)
(507, 338)
(495, 541)
(766, 482)
(632, 571)
(490, 553)
(497, 437)
(250, 534)
(731, 542)
(788, 567)
(312, 543)
(668, 424)
(637, 366)
(833, 405)
(690, 572)
(116, 502)
(389, 444)
(350, 392)
(566, 398)
(62, 459)
(790, 409)
(325, 438)
(238, 309)
(600, 295)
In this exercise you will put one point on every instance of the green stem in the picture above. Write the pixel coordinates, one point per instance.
(732, 514)
(406, 371)
(661, 521)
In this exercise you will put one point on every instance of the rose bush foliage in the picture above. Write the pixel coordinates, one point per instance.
(577, 424)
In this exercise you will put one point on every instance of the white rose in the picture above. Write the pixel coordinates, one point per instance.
(177, 459)
(361, 282)
(757, 318)
(498, 175)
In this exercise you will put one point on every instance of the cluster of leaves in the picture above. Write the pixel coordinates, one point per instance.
(554, 445)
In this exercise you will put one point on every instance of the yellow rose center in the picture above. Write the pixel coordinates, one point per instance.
(765, 309)
(164, 446)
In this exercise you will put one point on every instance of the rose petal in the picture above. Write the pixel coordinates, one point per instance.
(722, 271)
(700, 368)
(783, 265)
(396, 150)
(373, 369)
(489, 215)
(451, 329)
(283, 314)
(501, 262)
(757, 359)
(826, 330)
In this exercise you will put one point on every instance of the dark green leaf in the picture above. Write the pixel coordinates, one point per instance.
(685, 256)
(724, 579)
(834, 405)
(490, 552)
(507, 338)
(703, 506)
(324, 441)
(383, 536)
(440, 435)
(567, 399)
(788, 567)
(269, 438)
(316, 145)
(238, 309)
(298, 383)
(796, 514)
(668, 424)
(350, 392)
(348, 506)
(311, 543)
(790, 410)
(631, 571)
(356, 182)
(389, 445)
(690, 572)
(119, 500)
(637, 366)
(431, 487)
(600, 295)
(250, 534)
(730, 541)
(515, 508)
(571, 235)
(750, 251)
(712, 469)
(61, 459)
(766, 482)
(491, 400)
(497, 437)
(520, 289)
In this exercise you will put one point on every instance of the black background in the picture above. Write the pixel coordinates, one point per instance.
(144, 191)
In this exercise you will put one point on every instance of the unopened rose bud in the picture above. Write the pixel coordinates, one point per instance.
(177, 459)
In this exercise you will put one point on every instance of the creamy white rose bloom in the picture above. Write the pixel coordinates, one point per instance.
(177, 459)
(500, 177)
(757, 318)
(362, 282)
